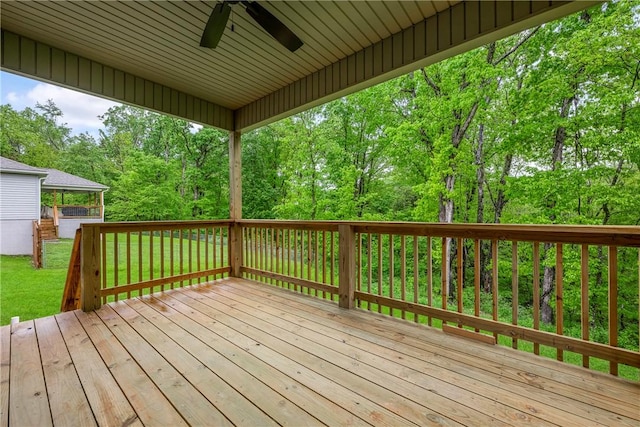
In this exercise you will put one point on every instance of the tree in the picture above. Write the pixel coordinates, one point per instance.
(147, 191)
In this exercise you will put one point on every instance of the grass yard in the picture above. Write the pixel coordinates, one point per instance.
(31, 293)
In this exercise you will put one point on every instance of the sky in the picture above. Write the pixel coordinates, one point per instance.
(80, 111)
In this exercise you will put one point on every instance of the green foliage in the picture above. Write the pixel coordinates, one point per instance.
(147, 191)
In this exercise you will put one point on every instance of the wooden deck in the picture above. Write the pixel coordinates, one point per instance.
(239, 353)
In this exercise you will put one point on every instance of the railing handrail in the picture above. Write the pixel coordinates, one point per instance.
(157, 225)
(614, 235)
(77, 206)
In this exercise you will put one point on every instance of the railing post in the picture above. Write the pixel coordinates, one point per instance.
(235, 249)
(346, 265)
(90, 261)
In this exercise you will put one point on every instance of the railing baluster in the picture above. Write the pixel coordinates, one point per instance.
(278, 254)
(115, 264)
(403, 271)
(429, 277)
(267, 253)
(391, 271)
(162, 257)
(476, 278)
(151, 257)
(444, 275)
(359, 264)
(332, 275)
(264, 248)
(460, 276)
(128, 261)
(295, 258)
(198, 264)
(190, 254)
(104, 263)
(369, 269)
(171, 256)
(246, 256)
(214, 247)
(309, 257)
(289, 254)
(416, 287)
(559, 298)
(181, 236)
(317, 253)
(584, 298)
(514, 289)
(273, 251)
(379, 270)
(206, 251)
(494, 281)
(536, 292)
(223, 233)
(258, 251)
(613, 304)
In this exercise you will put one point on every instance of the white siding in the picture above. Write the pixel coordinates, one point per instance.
(19, 197)
(68, 226)
(16, 237)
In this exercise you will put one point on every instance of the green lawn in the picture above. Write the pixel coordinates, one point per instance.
(27, 292)
(30, 293)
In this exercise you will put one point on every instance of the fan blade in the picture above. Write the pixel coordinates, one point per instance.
(215, 25)
(273, 26)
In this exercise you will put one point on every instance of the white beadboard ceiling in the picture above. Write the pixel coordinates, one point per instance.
(159, 40)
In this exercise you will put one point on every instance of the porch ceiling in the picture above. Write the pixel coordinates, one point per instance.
(148, 54)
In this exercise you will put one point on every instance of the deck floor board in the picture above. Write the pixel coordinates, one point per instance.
(28, 402)
(511, 370)
(450, 384)
(235, 352)
(67, 400)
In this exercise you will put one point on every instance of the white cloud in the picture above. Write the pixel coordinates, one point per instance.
(80, 111)
(13, 98)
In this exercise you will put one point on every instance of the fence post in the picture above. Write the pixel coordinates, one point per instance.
(346, 265)
(235, 249)
(90, 261)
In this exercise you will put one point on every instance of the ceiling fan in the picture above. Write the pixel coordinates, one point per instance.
(272, 25)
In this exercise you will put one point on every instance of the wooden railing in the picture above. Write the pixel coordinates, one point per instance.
(129, 259)
(298, 256)
(76, 211)
(534, 288)
(438, 281)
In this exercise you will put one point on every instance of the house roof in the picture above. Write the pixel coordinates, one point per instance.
(11, 166)
(58, 180)
(55, 179)
(147, 53)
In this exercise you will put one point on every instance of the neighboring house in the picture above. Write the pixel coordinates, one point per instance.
(68, 218)
(21, 186)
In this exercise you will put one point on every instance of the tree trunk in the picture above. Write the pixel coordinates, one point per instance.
(548, 280)
(485, 277)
